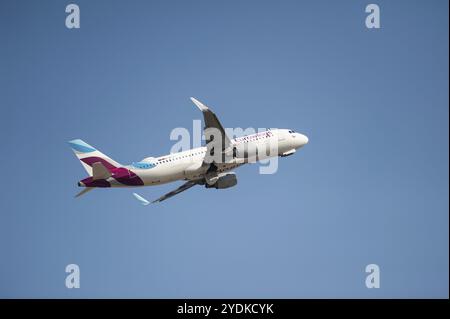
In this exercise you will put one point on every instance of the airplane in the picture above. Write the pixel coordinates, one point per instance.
(198, 166)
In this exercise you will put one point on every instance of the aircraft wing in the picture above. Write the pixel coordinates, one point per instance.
(180, 189)
(211, 121)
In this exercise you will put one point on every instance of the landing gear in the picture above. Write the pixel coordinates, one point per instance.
(212, 168)
(211, 175)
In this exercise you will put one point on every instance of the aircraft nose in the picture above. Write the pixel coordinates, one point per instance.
(304, 139)
(81, 184)
(300, 140)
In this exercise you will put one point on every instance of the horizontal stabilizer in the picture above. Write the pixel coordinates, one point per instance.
(84, 191)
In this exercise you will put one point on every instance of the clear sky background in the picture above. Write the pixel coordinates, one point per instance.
(370, 187)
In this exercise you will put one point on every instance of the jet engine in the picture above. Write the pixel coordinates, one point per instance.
(224, 180)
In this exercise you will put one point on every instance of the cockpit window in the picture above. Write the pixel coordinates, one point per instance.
(291, 131)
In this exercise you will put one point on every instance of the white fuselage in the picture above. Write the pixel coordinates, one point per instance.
(187, 165)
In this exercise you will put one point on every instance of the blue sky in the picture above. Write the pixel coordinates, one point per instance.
(370, 187)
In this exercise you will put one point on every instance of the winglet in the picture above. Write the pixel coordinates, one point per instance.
(141, 199)
(199, 104)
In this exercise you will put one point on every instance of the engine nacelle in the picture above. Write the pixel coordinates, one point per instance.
(225, 180)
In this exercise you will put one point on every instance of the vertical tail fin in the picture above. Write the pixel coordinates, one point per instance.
(89, 155)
